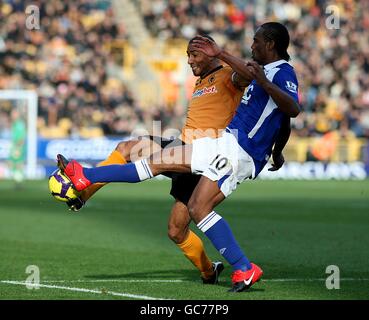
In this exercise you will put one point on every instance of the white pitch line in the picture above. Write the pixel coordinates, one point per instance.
(311, 280)
(120, 294)
(118, 280)
(182, 280)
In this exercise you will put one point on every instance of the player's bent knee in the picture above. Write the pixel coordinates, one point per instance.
(194, 211)
(124, 148)
(198, 210)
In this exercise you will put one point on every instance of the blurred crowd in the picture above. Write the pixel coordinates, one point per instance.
(329, 49)
(69, 63)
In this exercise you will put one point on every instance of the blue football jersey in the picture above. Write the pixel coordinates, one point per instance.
(257, 120)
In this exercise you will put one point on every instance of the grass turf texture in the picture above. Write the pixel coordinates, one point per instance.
(118, 243)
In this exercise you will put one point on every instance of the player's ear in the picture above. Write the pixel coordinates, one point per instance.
(270, 45)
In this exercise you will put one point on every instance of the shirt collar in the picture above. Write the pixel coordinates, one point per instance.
(274, 64)
(211, 71)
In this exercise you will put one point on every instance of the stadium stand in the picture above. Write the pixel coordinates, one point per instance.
(74, 63)
(69, 64)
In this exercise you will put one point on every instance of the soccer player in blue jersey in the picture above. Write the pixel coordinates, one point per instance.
(258, 131)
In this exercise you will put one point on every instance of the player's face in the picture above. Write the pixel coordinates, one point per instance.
(199, 62)
(258, 48)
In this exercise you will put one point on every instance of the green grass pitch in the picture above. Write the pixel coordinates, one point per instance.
(117, 247)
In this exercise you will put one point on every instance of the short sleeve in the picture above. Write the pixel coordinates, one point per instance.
(287, 81)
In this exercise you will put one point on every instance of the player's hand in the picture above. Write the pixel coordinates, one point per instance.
(278, 161)
(207, 46)
(257, 72)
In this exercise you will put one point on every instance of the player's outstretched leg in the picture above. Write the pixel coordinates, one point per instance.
(82, 178)
(116, 157)
(170, 159)
(126, 151)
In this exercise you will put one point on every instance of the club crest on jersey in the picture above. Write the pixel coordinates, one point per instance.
(211, 79)
(203, 91)
(290, 86)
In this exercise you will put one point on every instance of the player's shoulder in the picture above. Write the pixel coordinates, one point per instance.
(280, 67)
(286, 78)
(287, 67)
(220, 76)
(223, 74)
(285, 71)
(226, 70)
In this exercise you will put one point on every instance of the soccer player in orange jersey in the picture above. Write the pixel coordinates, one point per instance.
(216, 95)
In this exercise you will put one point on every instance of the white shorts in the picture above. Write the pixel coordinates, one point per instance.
(222, 160)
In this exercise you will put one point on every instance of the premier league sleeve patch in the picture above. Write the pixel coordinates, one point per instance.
(290, 86)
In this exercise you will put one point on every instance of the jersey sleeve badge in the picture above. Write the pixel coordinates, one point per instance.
(290, 86)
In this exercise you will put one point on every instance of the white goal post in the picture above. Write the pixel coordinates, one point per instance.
(31, 100)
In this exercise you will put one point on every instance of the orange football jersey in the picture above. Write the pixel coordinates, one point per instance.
(212, 105)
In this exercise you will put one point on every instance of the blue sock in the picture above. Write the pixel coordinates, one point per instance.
(130, 172)
(220, 234)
